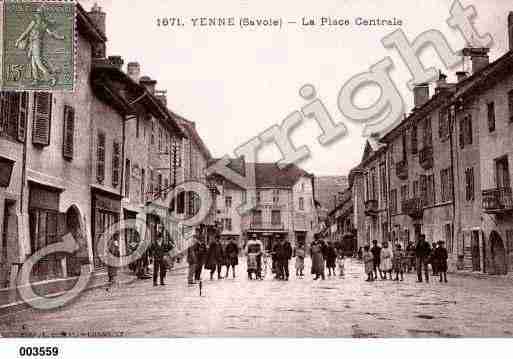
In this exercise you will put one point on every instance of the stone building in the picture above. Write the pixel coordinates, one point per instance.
(284, 204)
(368, 183)
(483, 131)
(340, 222)
(80, 162)
(448, 166)
(420, 167)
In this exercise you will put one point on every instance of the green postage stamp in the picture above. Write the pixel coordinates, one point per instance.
(38, 45)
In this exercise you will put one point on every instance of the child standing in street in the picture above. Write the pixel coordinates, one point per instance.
(398, 262)
(368, 260)
(341, 263)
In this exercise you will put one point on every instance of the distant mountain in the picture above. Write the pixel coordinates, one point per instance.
(327, 187)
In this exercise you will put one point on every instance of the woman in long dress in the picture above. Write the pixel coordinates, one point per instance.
(316, 250)
(386, 260)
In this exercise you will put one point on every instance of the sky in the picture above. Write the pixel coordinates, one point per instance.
(235, 83)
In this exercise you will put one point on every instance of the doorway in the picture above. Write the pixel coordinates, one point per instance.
(476, 254)
(498, 254)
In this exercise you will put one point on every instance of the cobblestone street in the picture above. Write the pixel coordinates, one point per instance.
(350, 307)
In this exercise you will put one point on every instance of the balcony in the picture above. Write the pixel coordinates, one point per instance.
(267, 226)
(413, 207)
(497, 200)
(401, 170)
(426, 157)
(371, 207)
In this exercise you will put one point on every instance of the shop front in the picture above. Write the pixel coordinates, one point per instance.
(106, 209)
(46, 226)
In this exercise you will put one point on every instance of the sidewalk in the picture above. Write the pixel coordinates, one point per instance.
(10, 301)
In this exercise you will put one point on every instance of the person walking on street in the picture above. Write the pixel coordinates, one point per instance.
(397, 262)
(368, 260)
(286, 255)
(441, 256)
(386, 260)
(422, 252)
(215, 258)
(158, 249)
(300, 259)
(331, 257)
(317, 258)
(376, 255)
(201, 253)
(193, 261)
(232, 257)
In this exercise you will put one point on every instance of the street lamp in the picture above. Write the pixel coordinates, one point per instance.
(6, 166)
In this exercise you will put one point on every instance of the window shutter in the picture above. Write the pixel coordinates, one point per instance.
(469, 129)
(462, 133)
(42, 118)
(100, 158)
(12, 113)
(115, 164)
(22, 118)
(68, 132)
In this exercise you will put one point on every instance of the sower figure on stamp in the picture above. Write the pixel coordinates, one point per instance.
(32, 40)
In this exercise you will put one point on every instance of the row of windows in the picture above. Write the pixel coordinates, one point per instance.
(13, 120)
(425, 188)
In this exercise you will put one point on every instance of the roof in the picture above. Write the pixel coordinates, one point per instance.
(87, 27)
(104, 74)
(189, 127)
(271, 175)
(268, 175)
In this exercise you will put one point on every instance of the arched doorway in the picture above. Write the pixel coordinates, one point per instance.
(75, 227)
(497, 254)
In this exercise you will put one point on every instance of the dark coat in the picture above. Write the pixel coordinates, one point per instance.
(376, 254)
(232, 254)
(214, 255)
(283, 251)
(331, 256)
(201, 252)
(192, 254)
(440, 255)
(157, 251)
(422, 249)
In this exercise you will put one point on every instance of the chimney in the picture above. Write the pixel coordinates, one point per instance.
(510, 30)
(98, 17)
(441, 83)
(134, 71)
(116, 61)
(461, 75)
(420, 95)
(161, 95)
(478, 57)
(150, 84)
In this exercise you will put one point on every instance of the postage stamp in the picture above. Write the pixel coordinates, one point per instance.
(38, 45)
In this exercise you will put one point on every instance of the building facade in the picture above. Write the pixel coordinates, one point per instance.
(448, 166)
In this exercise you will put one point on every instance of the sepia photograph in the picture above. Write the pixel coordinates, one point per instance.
(255, 169)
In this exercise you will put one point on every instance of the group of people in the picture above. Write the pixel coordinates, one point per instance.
(385, 260)
(326, 255)
(212, 257)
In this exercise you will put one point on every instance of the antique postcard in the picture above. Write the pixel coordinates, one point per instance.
(242, 169)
